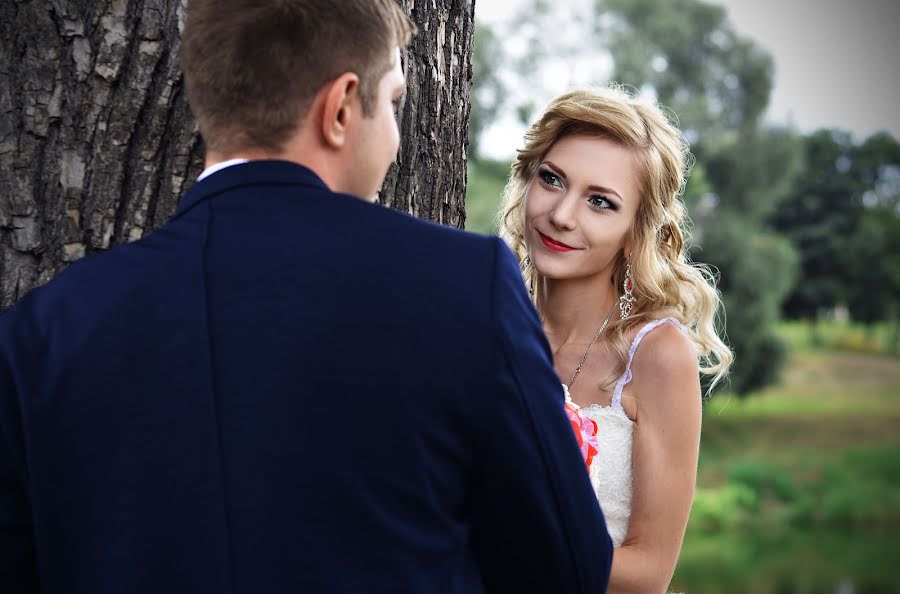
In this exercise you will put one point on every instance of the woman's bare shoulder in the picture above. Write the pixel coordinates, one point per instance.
(666, 360)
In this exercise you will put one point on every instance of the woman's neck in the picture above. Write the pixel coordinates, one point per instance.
(574, 309)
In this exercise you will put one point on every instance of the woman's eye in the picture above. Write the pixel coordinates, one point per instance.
(601, 202)
(550, 178)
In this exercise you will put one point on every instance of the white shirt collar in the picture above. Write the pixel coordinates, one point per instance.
(220, 166)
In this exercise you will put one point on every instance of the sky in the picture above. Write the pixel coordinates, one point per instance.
(837, 62)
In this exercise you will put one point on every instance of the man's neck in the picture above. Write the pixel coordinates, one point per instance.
(318, 166)
(214, 159)
(219, 166)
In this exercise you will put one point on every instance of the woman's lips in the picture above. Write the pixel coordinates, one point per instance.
(556, 246)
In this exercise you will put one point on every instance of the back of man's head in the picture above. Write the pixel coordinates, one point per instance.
(253, 67)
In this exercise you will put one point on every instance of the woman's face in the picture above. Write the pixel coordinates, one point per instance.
(580, 207)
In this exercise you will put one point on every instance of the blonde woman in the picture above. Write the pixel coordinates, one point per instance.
(593, 211)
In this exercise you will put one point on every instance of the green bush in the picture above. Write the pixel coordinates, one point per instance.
(847, 490)
(768, 481)
(756, 273)
(850, 506)
(723, 509)
(860, 489)
(878, 465)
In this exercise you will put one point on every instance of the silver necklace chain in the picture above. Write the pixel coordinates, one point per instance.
(587, 352)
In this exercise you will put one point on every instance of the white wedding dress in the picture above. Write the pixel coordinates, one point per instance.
(611, 469)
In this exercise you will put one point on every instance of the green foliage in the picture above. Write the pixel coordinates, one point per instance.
(818, 451)
(851, 489)
(763, 480)
(488, 89)
(787, 562)
(851, 495)
(843, 217)
(698, 189)
(854, 489)
(723, 509)
(753, 173)
(750, 176)
(756, 271)
(799, 487)
(688, 52)
(873, 264)
(497, 70)
(484, 192)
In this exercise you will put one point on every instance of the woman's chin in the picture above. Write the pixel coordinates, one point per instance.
(555, 273)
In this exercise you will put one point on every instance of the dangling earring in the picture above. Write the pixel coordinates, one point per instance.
(626, 301)
(526, 263)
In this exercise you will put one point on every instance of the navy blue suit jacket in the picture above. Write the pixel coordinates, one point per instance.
(285, 389)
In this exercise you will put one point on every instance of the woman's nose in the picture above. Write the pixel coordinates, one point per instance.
(563, 214)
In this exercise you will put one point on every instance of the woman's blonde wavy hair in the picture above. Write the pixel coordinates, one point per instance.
(665, 282)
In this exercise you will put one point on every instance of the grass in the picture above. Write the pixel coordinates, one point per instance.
(821, 383)
(798, 488)
(882, 338)
(819, 450)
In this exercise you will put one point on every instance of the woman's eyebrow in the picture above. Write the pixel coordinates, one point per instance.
(593, 188)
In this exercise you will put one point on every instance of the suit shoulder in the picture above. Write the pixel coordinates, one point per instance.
(83, 274)
(86, 287)
(448, 243)
(427, 226)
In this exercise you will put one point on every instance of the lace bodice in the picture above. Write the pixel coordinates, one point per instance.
(611, 469)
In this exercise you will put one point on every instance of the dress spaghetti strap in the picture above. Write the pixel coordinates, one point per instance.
(626, 377)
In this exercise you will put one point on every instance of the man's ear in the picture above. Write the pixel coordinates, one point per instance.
(339, 109)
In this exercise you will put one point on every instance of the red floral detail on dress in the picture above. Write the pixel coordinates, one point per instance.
(585, 430)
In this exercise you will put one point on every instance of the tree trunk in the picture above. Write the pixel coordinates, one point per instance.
(96, 140)
(97, 143)
(429, 178)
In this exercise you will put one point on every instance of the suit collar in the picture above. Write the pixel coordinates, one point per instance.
(249, 174)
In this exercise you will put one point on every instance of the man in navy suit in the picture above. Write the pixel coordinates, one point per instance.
(288, 388)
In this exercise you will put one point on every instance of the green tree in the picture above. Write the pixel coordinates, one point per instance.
(688, 53)
(842, 215)
(873, 251)
(818, 217)
(749, 177)
(488, 90)
(756, 270)
(873, 293)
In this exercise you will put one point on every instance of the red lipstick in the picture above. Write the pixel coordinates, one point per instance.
(556, 246)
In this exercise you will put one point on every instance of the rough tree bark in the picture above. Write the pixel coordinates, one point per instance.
(97, 143)
(429, 179)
